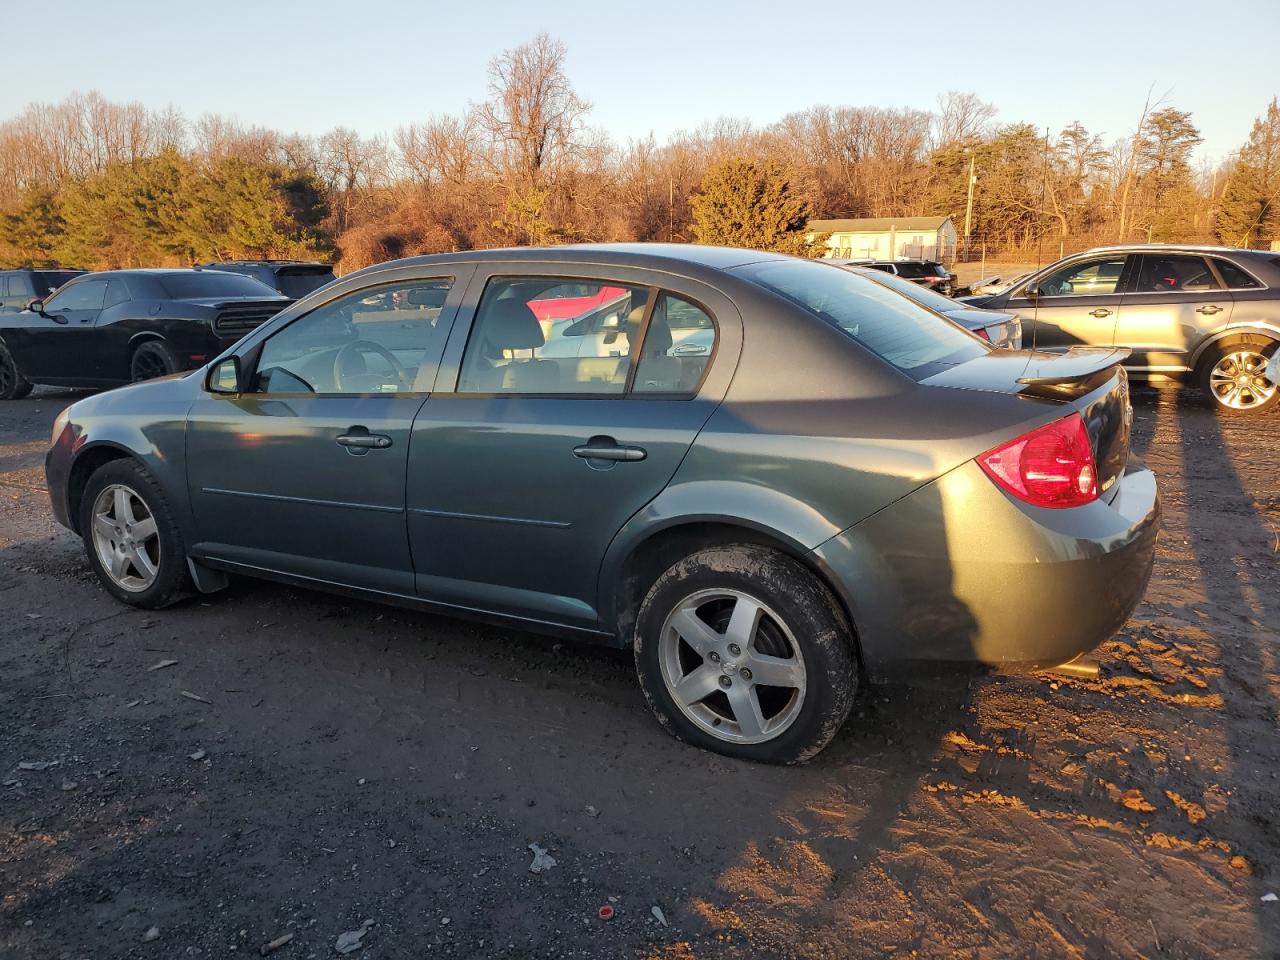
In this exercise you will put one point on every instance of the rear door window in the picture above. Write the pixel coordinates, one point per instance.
(545, 336)
(894, 328)
(1174, 273)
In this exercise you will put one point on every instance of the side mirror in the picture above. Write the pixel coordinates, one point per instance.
(225, 377)
(1031, 291)
(36, 306)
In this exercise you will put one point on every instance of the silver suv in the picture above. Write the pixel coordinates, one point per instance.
(1208, 316)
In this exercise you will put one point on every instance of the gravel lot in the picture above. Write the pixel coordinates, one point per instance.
(348, 763)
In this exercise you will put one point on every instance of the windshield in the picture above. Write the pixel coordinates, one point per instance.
(921, 295)
(211, 283)
(890, 326)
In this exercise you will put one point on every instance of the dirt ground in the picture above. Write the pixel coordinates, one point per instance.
(348, 763)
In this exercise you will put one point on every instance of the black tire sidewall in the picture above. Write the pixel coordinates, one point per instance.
(171, 581)
(20, 386)
(1215, 353)
(161, 350)
(811, 613)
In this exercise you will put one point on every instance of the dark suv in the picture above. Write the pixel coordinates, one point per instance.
(1209, 316)
(20, 287)
(927, 273)
(294, 278)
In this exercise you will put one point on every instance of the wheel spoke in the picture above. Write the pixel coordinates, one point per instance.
(743, 622)
(701, 683)
(123, 509)
(746, 709)
(144, 529)
(694, 632)
(775, 671)
(103, 527)
(119, 565)
(142, 563)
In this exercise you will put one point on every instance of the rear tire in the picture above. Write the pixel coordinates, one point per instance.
(13, 385)
(718, 626)
(152, 359)
(130, 536)
(1231, 378)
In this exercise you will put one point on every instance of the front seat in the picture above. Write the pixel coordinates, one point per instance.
(509, 325)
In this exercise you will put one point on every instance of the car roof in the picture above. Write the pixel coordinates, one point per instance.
(214, 264)
(654, 255)
(1179, 247)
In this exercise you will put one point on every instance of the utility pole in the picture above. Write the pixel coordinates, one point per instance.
(968, 207)
(671, 202)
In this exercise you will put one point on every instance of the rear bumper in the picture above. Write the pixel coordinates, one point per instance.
(959, 573)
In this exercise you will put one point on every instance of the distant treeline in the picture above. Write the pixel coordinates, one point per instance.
(95, 184)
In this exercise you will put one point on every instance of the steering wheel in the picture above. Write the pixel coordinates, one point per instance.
(361, 347)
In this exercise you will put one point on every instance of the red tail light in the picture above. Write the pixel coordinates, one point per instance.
(1052, 466)
(981, 331)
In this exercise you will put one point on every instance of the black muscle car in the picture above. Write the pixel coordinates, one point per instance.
(122, 326)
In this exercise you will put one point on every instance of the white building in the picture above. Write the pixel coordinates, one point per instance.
(888, 238)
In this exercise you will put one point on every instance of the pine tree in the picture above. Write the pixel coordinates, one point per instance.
(746, 204)
(1250, 210)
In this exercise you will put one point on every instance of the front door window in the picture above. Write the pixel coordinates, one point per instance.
(385, 339)
(1089, 278)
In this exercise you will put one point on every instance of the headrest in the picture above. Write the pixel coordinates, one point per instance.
(657, 340)
(511, 325)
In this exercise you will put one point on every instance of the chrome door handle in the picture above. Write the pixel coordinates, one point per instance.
(1100, 313)
(1209, 309)
(596, 451)
(364, 441)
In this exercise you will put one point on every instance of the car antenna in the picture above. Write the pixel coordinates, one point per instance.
(1035, 304)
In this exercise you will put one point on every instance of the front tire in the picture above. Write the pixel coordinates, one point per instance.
(152, 359)
(131, 538)
(741, 650)
(13, 385)
(1232, 378)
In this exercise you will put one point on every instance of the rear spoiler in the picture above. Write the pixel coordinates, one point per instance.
(1073, 373)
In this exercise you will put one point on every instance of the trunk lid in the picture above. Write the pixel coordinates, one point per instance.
(1089, 380)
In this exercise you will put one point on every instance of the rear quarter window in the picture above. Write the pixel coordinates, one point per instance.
(899, 331)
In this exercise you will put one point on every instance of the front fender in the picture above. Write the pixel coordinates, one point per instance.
(145, 421)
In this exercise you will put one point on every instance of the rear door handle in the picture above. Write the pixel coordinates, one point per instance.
(599, 449)
(1209, 309)
(1100, 313)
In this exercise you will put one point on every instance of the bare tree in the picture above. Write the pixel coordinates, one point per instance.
(533, 116)
(961, 117)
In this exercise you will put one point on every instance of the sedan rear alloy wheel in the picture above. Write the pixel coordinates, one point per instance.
(126, 538)
(732, 666)
(742, 650)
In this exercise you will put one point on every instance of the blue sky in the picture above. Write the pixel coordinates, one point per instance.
(659, 66)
